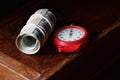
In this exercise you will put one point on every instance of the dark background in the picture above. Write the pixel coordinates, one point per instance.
(7, 6)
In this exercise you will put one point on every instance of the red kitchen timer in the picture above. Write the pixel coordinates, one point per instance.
(70, 38)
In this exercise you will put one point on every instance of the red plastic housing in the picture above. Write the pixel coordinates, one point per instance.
(70, 46)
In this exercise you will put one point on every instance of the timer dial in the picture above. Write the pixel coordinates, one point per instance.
(70, 34)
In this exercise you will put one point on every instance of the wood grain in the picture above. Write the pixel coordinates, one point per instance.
(10, 69)
(48, 60)
(109, 29)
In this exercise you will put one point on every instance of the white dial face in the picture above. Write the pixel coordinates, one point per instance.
(71, 34)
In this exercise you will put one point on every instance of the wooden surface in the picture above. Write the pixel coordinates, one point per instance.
(97, 18)
(11, 69)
